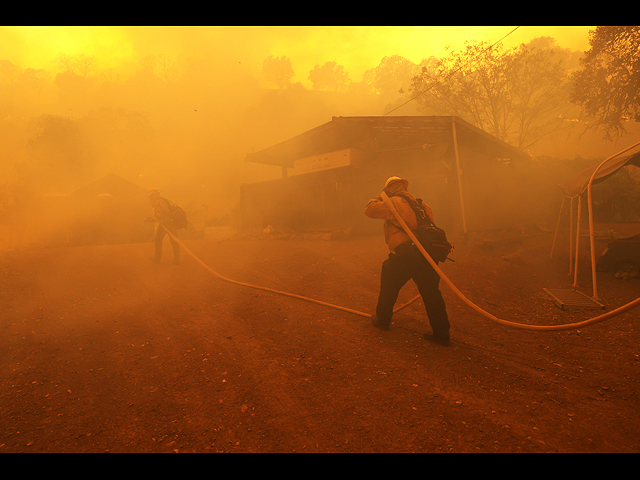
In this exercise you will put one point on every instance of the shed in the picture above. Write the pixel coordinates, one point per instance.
(110, 210)
(331, 171)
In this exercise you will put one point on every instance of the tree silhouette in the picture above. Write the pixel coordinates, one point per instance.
(148, 64)
(329, 76)
(56, 154)
(81, 64)
(167, 68)
(277, 71)
(84, 64)
(392, 75)
(519, 95)
(65, 62)
(608, 83)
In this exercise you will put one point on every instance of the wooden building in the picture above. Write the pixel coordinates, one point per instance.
(330, 172)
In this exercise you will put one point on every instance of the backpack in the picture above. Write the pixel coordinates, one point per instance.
(433, 238)
(178, 215)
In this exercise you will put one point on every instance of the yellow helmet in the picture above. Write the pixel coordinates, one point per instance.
(152, 191)
(396, 179)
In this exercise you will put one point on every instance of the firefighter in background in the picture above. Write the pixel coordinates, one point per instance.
(406, 262)
(161, 213)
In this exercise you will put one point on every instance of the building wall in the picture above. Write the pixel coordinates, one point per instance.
(336, 198)
(320, 200)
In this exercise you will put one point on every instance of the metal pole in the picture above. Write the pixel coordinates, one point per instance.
(458, 173)
(575, 270)
(571, 240)
(553, 245)
(592, 244)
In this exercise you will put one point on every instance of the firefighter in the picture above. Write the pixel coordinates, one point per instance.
(162, 214)
(406, 262)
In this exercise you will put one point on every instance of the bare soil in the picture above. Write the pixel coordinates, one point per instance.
(103, 351)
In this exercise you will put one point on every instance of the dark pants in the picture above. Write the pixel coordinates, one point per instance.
(160, 233)
(396, 272)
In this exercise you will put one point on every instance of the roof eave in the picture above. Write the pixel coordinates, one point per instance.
(285, 153)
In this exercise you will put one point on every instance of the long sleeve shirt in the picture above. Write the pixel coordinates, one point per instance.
(394, 234)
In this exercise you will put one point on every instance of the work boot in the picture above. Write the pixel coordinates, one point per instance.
(376, 323)
(440, 340)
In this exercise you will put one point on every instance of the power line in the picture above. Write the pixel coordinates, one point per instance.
(451, 73)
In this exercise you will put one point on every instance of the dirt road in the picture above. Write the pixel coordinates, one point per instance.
(103, 351)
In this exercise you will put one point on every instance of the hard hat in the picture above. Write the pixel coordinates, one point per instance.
(396, 179)
(152, 191)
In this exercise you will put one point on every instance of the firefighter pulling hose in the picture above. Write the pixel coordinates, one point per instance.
(547, 328)
(405, 261)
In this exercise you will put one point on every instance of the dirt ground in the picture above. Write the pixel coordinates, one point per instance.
(103, 351)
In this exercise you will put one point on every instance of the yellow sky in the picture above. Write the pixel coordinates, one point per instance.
(356, 48)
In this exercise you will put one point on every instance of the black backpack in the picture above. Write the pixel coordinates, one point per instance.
(178, 215)
(433, 238)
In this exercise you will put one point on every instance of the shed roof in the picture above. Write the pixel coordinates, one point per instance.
(375, 134)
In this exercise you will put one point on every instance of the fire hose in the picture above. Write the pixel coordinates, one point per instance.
(569, 326)
(591, 321)
(258, 287)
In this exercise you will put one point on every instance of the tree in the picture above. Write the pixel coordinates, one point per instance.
(329, 76)
(608, 84)
(148, 64)
(518, 95)
(539, 86)
(75, 63)
(84, 64)
(167, 68)
(57, 154)
(65, 62)
(20, 90)
(277, 71)
(392, 76)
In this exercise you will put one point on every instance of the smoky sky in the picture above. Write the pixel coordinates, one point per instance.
(224, 48)
(190, 129)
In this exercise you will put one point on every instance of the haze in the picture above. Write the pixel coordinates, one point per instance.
(107, 347)
(357, 48)
(189, 129)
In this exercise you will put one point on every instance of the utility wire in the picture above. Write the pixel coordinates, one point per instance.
(451, 73)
